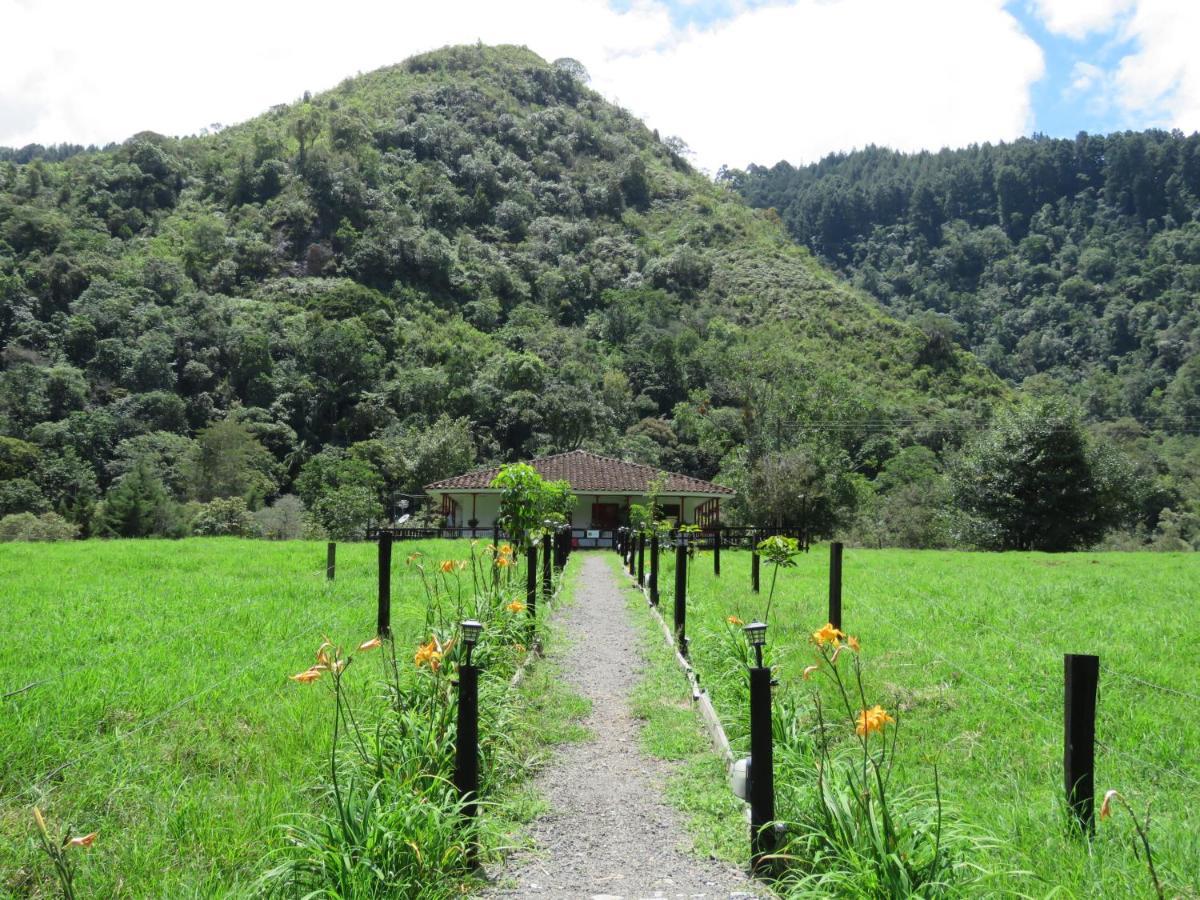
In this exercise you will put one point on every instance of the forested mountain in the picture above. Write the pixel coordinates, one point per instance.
(1067, 266)
(467, 257)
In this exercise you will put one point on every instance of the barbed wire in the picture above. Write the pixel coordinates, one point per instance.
(116, 738)
(1006, 697)
(95, 662)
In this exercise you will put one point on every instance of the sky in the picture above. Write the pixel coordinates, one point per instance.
(740, 81)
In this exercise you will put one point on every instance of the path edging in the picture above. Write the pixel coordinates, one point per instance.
(712, 723)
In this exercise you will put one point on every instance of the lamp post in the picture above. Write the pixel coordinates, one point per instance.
(466, 749)
(762, 767)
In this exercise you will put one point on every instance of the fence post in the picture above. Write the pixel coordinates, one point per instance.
(717, 550)
(754, 562)
(383, 625)
(835, 584)
(681, 552)
(330, 561)
(466, 747)
(641, 559)
(654, 569)
(762, 767)
(531, 580)
(547, 567)
(1081, 673)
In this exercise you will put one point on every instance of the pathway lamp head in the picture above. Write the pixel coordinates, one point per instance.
(470, 632)
(756, 634)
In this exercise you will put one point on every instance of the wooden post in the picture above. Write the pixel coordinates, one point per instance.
(681, 552)
(531, 581)
(835, 584)
(330, 561)
(1081, 674)
(547, 568)
(641, 559)
(754, 562)
(384, 621)
(654, 569)
(717, 550)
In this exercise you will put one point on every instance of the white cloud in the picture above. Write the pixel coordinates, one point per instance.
(1084, 77)
(793, 80)
(1079, 18)
(1160, 82)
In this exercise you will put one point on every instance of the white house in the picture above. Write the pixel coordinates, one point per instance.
(604, 489)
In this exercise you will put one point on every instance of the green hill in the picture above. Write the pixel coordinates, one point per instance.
(466, 257)
(1070, 267)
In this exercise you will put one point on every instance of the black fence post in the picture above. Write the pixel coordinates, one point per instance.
(641, 559)
(754, 562)
(466, 748)
(383, 625)
(835, 584)
(1081, 673)
(547, 568)
(496, 534)
(330, 561)
(681, 552)
(762, 768)
(717, 550)
(531, 580)
(654, 569)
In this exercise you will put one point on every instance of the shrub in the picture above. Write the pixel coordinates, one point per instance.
(229, 516)
(28, 527)
(283, 520)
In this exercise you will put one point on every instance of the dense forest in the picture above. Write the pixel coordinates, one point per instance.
(1069, 267)
(466, 258)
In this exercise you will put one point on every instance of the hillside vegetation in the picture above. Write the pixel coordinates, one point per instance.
(467, 257)
(1069, 267)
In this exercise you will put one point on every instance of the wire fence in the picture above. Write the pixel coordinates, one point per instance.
(98, 746)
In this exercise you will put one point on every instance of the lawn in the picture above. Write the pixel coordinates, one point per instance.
(967, 648)
(160, 713)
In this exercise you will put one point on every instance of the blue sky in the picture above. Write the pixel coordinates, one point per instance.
(1059, 110)
(740, 81)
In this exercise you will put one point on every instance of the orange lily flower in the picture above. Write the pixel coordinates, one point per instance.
(873, 719)
(734, 620)
(370, 645)
(307, 675)
(86, 841)
(515, 607)
(827, 634)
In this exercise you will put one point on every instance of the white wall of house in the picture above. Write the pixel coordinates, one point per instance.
(486, 507)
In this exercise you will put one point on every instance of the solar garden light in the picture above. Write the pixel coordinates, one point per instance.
(760, 769)
(470, 635)
(466, 750)
(756, 634)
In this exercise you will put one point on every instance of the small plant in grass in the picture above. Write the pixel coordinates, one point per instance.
(780, 552)
(852, 835)
(394, 823)
(59, 850)
(1115, 798)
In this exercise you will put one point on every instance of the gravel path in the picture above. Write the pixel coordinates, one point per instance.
(609, 832)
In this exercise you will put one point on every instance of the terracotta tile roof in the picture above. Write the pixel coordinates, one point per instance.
(589, 472)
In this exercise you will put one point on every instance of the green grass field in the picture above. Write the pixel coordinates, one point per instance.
(968, 648)
(160, 712)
